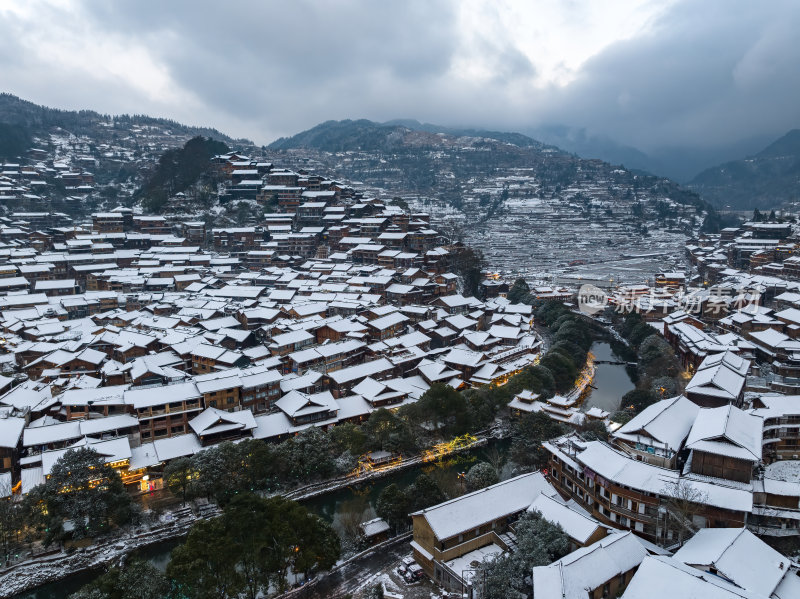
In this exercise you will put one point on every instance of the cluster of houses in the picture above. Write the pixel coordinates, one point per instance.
(70, 165)
(452, 541)
(702, 474)
(151, 353)
(680, 500)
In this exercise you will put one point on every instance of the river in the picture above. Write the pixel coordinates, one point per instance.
(157, 554)
(611, 381)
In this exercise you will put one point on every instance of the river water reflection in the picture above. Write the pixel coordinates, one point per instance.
(611, 381)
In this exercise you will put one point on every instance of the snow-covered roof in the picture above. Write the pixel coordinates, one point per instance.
(176, 447)
(721, 375)
(112, 450)
(485, 505)
(295, 404)
(622, 470)
(10, 430)
(360, 371)
(577, 524)
(212, 421)
(666, 422)
(738, 555)
(727, 431)
(374, 527)
(662, 577)
(579, 573)
(143, 398)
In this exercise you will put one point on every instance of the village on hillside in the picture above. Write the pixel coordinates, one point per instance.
(152, 340)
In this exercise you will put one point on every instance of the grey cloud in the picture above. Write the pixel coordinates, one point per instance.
(275, 60)
(708, 72)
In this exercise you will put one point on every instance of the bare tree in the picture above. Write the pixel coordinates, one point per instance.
(684, 503)
(9, 520)
(496, 459)
(351, 514)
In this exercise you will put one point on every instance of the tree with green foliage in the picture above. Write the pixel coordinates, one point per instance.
(386, 430)
(445, 408)
(180, 478)
(657, 359)
(664, 387)
(424, 493)
(82, 489)
(467, 263)
(177, 170)
(563, 369)
(394, 505)
(138, 579)
(536, 378)
(307, 456)
(227, 469)
(375, 592)
(349, 437)
(539, 543)
(575, 332)
(574, 352)
(593, 430)
(205, 566)
(529, 433)
(315, 544)
(519, 292)
(481, 475)
(15, 140)
(638, 399)
(256, 471)
(251, 549)
(549, 312)
(629, 322)
(215, 467)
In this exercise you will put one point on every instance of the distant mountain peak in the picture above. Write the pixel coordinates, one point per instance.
(788, 145)
(366, 135)
(768, 179)
(33, 119)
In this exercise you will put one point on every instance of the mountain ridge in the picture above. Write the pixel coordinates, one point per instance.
(27, 120)
(367, 135)
(767, 179)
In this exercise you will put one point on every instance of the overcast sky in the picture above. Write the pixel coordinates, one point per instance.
(648, 73)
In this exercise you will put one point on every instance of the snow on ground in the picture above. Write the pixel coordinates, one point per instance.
(785, 470)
